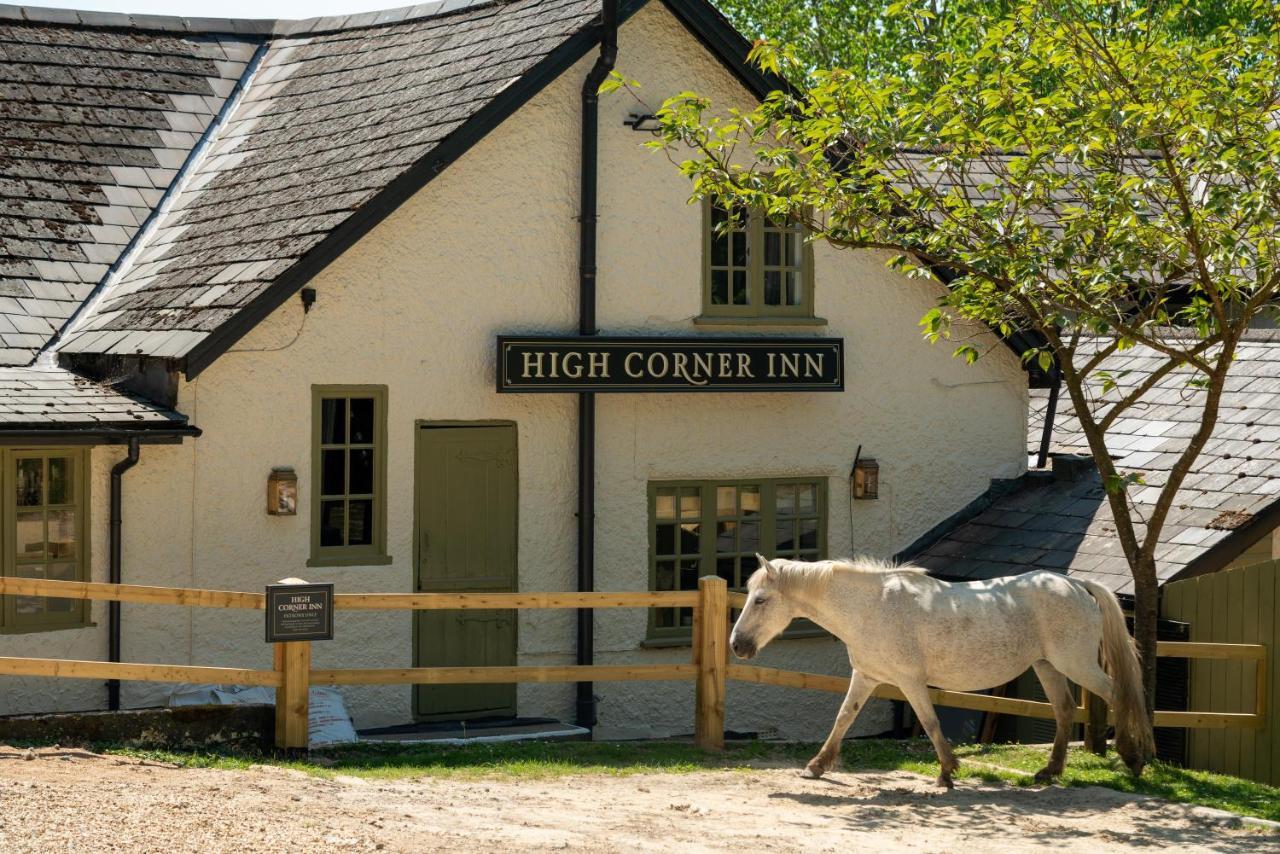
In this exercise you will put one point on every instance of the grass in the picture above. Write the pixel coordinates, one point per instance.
(1007, 763)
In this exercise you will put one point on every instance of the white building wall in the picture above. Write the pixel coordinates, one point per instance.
(490, 247)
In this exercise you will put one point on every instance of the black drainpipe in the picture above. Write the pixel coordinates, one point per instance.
(586, 705)
(113, 570)
(1050, 413)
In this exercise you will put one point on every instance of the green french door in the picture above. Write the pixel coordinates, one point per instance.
(466, 485)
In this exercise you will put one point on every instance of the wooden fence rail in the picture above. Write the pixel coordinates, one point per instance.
(709, 670)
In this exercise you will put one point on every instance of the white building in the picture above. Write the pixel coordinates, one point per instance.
(295, 244)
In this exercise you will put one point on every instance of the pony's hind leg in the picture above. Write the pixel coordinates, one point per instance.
(860, 687)
(1064, 707)
(918, 696)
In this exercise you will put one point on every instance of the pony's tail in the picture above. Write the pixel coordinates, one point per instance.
(1135, 740)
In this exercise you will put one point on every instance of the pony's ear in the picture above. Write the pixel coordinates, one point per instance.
(766, 565)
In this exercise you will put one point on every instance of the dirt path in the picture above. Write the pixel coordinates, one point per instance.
(63, 799)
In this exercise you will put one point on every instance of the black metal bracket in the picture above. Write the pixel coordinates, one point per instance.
(645, 122)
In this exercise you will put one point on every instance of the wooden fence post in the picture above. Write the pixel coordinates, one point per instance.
(293, 662)
(711, 655)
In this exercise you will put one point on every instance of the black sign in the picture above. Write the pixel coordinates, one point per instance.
(615, 364)
(299, 612)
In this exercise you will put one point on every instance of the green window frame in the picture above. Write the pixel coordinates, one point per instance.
(45, 534)
(754, 269)
(715, 527)
(348, 475)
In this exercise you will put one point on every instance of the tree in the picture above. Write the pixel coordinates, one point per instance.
(1102, 181)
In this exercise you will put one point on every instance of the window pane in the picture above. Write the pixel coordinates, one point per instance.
(740, 288)
(686, 617)
(60, 572)
(719, 287)
(750, 500)
(666, 575)
(60, 484)
(361, 421)
(772, 248)
(726, 501)
(333, 421)
(785, 535)
(786, 499)
(27, 606)
(772, 287)
(690, 504)
(689, 575)
(719, 249)
(360, 522)
(792, 283)
(30, 482)
(726, 536)
(664, 618)
(30, 535)
(792, 243)
(689, 536)
(361, 482)
(808, 533)
(333, 472)
(62, 534)
(665, 504)
(331, 523)
(749, 537)
(665, 542)
(725, 569)
(739, 248)
(807, 497)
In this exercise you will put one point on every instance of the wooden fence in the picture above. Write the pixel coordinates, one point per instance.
(709, 669)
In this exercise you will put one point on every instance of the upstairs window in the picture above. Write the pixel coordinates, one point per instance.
(755, 269)
(348, 477)
(46, 519)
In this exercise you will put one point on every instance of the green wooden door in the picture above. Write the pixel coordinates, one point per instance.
(466, 504)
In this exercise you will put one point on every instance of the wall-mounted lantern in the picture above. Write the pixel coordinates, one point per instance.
(864, 479)
(282, 492)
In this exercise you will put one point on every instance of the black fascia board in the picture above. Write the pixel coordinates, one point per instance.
(106, 434)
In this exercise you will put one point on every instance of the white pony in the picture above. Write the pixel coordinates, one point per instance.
(907, 629)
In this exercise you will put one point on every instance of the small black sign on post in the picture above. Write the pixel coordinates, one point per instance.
(299, 612)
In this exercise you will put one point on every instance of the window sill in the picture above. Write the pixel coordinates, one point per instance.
(354, 560)
(720, 320)
(32, 630)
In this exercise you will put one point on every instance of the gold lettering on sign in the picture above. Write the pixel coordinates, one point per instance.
(682, 370)
(813, 364)
(772, 373)
(656, 359)
(744, 369)
(790, 364)
(598, 365)
(532, 366)
(571, 371)
(702, 365)
(634, 373)
(726, 364)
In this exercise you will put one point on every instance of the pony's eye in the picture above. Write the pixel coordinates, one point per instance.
(760, 600)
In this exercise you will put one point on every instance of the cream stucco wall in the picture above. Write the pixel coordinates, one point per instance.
(490, 247)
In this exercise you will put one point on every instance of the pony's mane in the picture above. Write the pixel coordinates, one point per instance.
(794, 575)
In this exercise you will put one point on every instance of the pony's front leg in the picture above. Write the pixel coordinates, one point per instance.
(860, 688)
(918, 696)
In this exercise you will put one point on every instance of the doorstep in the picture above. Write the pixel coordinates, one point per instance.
(485, 731)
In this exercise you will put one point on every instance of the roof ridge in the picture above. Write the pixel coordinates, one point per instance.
(266, 27)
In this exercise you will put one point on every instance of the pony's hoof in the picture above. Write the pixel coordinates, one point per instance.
(944, 782)
(1136, 765)
(813, 771)
(1045, 776)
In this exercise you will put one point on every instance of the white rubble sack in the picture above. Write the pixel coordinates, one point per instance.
(327, 720)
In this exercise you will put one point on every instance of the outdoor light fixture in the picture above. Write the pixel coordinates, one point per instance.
(864, 479)
(282, 492)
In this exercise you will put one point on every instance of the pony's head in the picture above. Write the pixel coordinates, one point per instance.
(766, 613)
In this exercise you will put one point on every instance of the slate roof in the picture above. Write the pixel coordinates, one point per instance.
(50, 398)
(94, 125)
(325, 122)
(1062, 521)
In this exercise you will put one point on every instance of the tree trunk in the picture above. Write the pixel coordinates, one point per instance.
(1146, 612)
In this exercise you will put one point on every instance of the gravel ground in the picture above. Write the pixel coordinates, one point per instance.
(56, 799)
